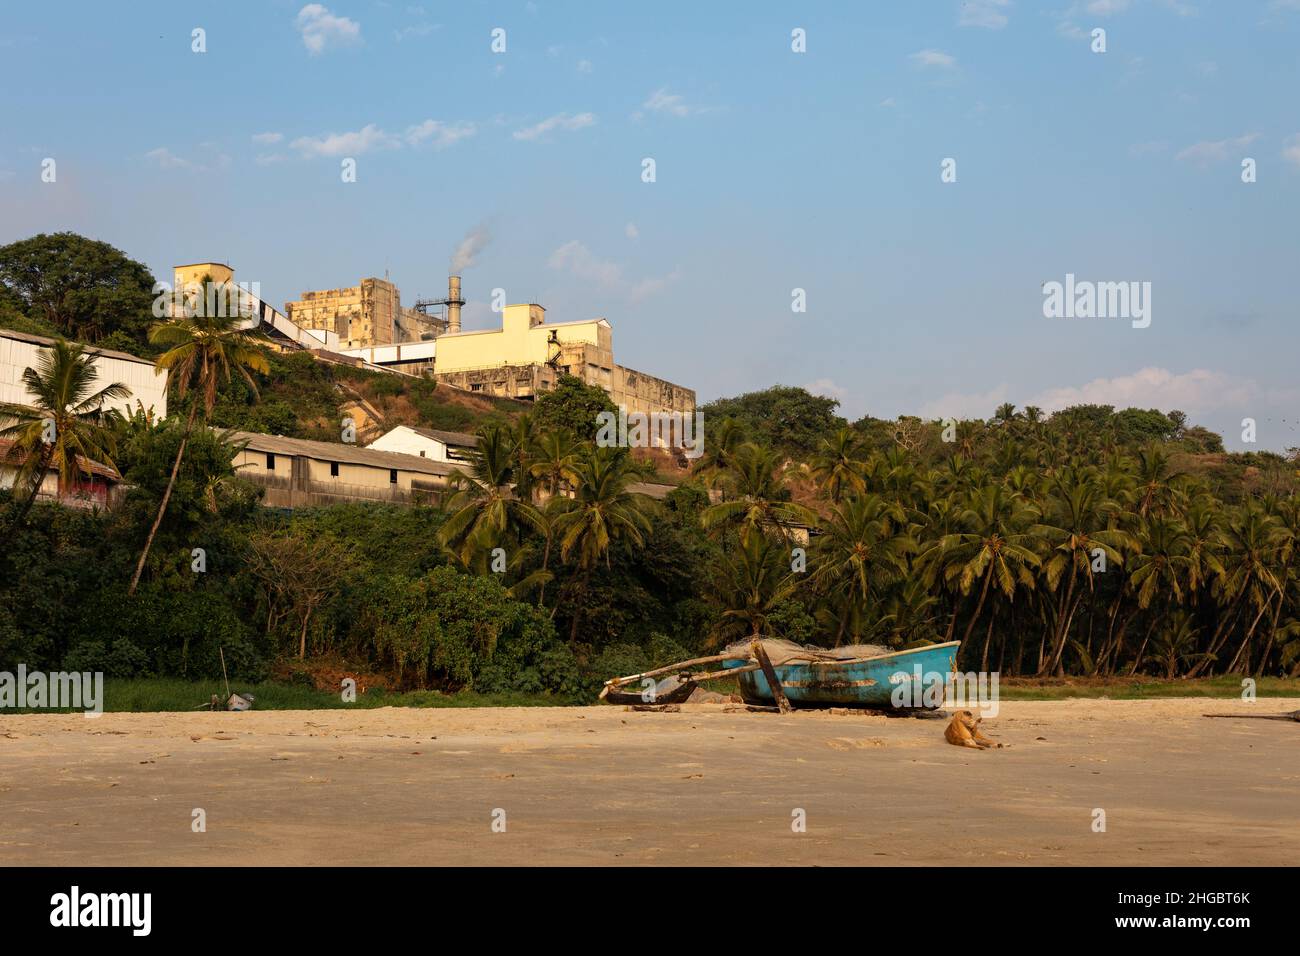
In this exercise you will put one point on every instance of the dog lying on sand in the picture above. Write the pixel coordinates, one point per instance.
(964, 731)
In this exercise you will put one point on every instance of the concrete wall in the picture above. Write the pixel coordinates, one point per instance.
(16, 355)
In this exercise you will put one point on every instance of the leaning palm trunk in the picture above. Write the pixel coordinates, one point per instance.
(979, 606)
(162, 507)
(1220, 637)
(1060, 630)
(37, 480)
(1272, 638)
(1249, 635)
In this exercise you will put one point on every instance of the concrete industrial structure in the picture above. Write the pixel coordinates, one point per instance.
(527, 356)
(297, 473)
(20, 351)
(367, 314)
(367, 325)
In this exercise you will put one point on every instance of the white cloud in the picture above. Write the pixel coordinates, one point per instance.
(1215, 151)
(562, 121)
(1106, 8)
(661, 101)
(439, 134)
(321, 29)
(415, 30)
(575, 258)
(166, 159)
(888, 103)
(631, 231)
(1196, 391)
(267, 138)
(828, 388)
(984, 13)
(1199, 390)
(1291, 148)
(648, 287)
(369, 137)
(966, 404)
(933, 58)
(584, 66)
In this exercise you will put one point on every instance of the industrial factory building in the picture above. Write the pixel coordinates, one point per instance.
(522, 359)
(367, 314)
(298, 473)
(20, 351)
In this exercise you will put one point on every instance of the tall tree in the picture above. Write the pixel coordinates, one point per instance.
(65, 427)
(202, 352)
(84, 288)
(601, 513)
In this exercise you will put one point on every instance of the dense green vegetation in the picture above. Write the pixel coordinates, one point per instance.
(1094, 542)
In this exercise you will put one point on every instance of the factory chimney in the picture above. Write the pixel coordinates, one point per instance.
(454, 302)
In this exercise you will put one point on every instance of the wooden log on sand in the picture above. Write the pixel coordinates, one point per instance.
(1294, 715)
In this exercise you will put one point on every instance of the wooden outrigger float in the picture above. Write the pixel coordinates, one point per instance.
(803, 677)
(679, 681)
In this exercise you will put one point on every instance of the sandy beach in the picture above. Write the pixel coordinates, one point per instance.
(604, 785)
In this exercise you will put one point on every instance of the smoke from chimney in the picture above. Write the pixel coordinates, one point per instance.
(467, 252)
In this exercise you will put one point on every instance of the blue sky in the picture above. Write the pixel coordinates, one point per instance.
(775, 170)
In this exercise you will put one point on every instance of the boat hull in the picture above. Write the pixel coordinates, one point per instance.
(863, 683)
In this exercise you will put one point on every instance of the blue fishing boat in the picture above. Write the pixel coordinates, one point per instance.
(877, 682)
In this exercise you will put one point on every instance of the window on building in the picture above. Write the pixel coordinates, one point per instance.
(270, 461)
(334, 469)
(392, 476)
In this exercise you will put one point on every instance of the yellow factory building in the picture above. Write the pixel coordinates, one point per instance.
(522, 359)
(527, 355)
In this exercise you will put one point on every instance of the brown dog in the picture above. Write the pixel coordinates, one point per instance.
(964, 731)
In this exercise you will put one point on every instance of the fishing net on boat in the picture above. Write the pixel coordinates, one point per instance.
(786, 652)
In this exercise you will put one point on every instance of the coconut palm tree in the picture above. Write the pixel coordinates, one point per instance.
(864, 545)
(754, 580)
(601, 513)
(66, 426)
(1076, 530)
(1255, 543)
(837, 467)
(483, 507)
(719, 449)
(203, 352)
(553, 459)
(993, 548)
(758, 500)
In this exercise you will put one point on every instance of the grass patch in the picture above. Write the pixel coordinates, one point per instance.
(1141, 688)
(152, 695)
